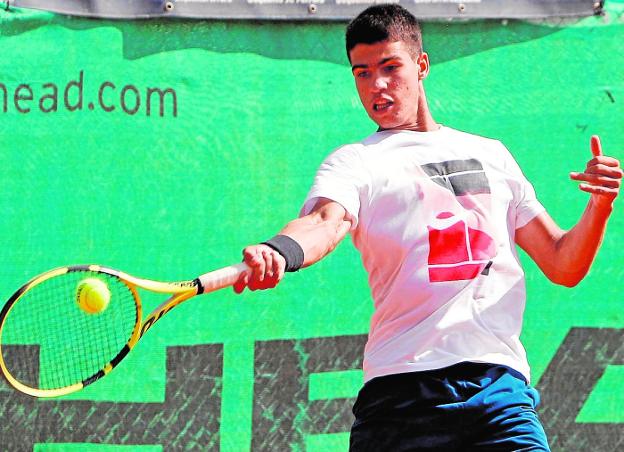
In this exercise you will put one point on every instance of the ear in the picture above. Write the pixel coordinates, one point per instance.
(423, 65)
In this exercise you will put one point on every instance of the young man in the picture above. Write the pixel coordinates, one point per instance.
(435, 214)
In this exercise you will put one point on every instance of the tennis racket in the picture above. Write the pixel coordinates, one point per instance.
(49, 346)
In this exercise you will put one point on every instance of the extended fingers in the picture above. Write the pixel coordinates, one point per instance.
(602, 175)
(612, 180)
(610, 192)
(601, 168)
(603, 160)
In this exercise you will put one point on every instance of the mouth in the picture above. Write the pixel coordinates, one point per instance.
(382, 105)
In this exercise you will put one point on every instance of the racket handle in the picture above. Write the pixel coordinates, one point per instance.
(224, 277)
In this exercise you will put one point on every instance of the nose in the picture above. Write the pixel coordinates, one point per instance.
(379, 83)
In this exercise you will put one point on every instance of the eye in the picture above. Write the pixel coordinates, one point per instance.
(361, 73)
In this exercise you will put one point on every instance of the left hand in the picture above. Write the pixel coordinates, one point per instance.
(602, 176)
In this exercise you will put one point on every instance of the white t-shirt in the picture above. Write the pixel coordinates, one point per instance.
(434, 217)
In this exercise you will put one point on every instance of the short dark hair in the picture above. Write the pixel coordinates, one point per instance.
(384, 23)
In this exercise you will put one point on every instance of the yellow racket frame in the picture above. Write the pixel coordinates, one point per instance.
(180, 291)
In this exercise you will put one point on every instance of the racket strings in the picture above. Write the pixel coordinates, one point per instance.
(72, 344)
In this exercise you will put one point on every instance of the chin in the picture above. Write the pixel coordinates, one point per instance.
(387, 122)
(384, 124)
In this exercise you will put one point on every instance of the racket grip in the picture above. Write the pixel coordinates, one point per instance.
(224, 277)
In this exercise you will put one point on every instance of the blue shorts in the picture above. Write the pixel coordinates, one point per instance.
(468, 406)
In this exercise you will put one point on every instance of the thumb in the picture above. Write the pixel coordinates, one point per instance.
(595, 145)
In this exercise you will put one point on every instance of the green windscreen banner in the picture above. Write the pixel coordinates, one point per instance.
(314, 9)
(162, 148)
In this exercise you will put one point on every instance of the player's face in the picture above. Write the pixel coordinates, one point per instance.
(388, 80)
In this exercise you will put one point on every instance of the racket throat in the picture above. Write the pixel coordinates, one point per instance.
(153, 319)
(162, 310)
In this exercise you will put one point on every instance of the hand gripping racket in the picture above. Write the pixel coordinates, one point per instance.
(49, 346)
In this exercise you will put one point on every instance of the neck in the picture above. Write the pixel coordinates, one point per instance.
(425, 121)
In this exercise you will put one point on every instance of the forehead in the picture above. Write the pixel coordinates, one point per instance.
(367, 54)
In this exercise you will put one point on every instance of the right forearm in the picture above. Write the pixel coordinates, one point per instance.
(316, 235)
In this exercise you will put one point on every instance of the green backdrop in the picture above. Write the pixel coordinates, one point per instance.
(240, 116)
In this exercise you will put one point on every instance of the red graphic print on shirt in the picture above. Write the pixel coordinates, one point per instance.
(459, 250)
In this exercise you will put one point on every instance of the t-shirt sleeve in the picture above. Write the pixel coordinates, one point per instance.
(341, 177)
(524, 197)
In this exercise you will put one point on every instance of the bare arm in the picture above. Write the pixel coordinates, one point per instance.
(318, 233)
(566, 256)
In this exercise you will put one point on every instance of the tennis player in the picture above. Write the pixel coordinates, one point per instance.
(436, 214)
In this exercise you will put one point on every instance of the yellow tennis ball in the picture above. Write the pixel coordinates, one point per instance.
(92, 295)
